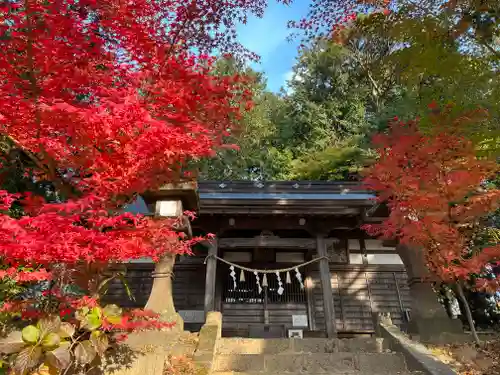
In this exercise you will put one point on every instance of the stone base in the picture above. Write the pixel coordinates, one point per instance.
(438, 330)
(145, 353)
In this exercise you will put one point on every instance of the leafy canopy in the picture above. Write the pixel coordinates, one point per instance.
(101, 101)
(436, 187)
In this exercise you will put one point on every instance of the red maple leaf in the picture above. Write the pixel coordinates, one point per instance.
(434, 186)
(107, 100)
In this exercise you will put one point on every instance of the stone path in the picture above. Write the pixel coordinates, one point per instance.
(358, 356)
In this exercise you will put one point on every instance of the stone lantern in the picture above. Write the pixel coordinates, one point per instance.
(171, 201)
(429, 319)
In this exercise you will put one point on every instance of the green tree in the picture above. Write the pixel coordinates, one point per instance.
(260, 153)
(331, 103)
(440, 53)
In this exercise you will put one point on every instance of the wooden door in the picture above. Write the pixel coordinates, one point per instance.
(242, 304)
(244, 309)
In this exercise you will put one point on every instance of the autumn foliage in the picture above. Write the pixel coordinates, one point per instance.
(464, 17)
(438, 194)
(102, 100)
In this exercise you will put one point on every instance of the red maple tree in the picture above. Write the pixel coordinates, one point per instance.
(106, 99)
(436, 189)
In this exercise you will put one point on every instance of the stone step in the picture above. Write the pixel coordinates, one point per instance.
(291, 346)
(310, 373)
(330, 363)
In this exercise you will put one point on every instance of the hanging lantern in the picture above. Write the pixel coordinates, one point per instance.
(242, 276)
(264, 280)
(288, 278)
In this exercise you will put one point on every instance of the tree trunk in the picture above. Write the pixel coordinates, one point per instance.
(468, 312)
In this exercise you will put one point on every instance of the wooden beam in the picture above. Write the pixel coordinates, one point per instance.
(367, 268)
(312, 224)
(326, 286)
(210, 278)
(243, 208)
(271, 242)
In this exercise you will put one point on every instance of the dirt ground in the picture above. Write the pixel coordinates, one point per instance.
(468, 359)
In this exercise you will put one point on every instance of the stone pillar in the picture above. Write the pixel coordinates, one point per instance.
(161, 299)
(210, 277)
(428, 317)
(207, 344)
(326, 286)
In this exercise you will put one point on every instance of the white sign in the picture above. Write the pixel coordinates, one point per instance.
(295, 334)
(192, 316)
(299, 320)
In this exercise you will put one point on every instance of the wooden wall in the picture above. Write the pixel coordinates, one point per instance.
(236, 318)
(188, 285)
(139, 282)
(359, 291)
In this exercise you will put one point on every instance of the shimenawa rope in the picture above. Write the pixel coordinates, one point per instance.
(264, 271)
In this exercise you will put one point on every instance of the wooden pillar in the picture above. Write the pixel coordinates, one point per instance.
(266, 309)
(326, 286)
(210, 277)
(219, 286)
(309, 285)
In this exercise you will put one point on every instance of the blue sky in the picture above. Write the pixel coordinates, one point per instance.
(267, 37)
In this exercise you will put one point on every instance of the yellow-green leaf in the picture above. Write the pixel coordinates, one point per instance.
(31, 334)
(91, 322)
(51, 340)
(96, 311)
